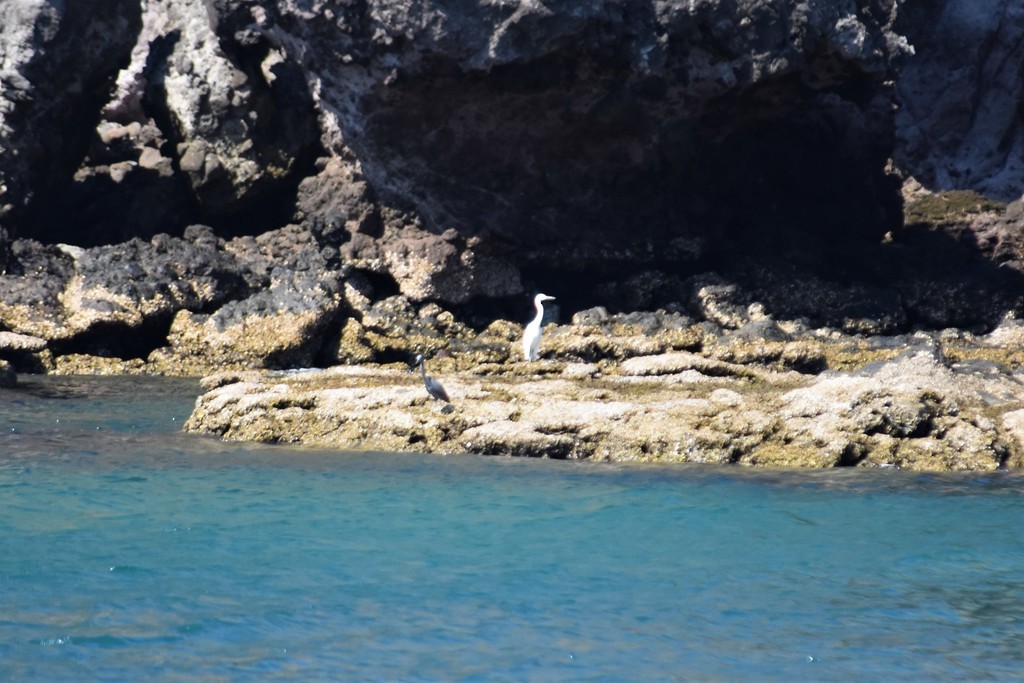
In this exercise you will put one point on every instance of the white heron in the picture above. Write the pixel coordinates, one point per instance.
(531, 336)
(434, 387)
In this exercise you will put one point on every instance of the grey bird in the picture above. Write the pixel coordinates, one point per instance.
(433, 387)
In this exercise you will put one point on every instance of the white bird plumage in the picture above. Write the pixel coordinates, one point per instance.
(531, 336)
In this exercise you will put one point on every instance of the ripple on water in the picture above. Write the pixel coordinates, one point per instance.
(135, 550)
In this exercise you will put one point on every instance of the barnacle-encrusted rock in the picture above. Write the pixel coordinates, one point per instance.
(912, 412)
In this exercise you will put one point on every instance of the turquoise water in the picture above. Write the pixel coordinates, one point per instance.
(130, 550)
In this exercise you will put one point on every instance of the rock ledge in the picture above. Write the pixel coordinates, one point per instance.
(914, 411)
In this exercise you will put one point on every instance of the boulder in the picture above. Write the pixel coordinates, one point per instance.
(912, 412)
(8, 378)
(31, 286)
(282, 326)
(428, 267)
(337, 202)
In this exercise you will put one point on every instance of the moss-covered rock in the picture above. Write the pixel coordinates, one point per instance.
(948, 208)
(83, 364)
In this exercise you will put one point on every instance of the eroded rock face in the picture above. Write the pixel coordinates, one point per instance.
(59, 60)
(205, 122)
(585, 136)
(959, 123)
(470, 151)
(590, 140)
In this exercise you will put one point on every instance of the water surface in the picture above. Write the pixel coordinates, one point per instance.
(129, 549)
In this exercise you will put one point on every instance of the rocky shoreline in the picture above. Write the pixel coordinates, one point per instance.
(939, 402)
(781, 370)
(754, 365)
(779, 234)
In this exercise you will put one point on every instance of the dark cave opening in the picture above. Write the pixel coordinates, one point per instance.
(118, 340)
(581, 174)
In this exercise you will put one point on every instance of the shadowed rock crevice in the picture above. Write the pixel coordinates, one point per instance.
(282, 128)
(116, 340)
(852, 455)
(201, 127)
(58, 95)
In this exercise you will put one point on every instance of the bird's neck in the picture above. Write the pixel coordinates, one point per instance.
(540, 312)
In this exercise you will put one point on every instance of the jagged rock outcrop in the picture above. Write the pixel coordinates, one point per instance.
(114, 300)
(294, 299)
(185, 305)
